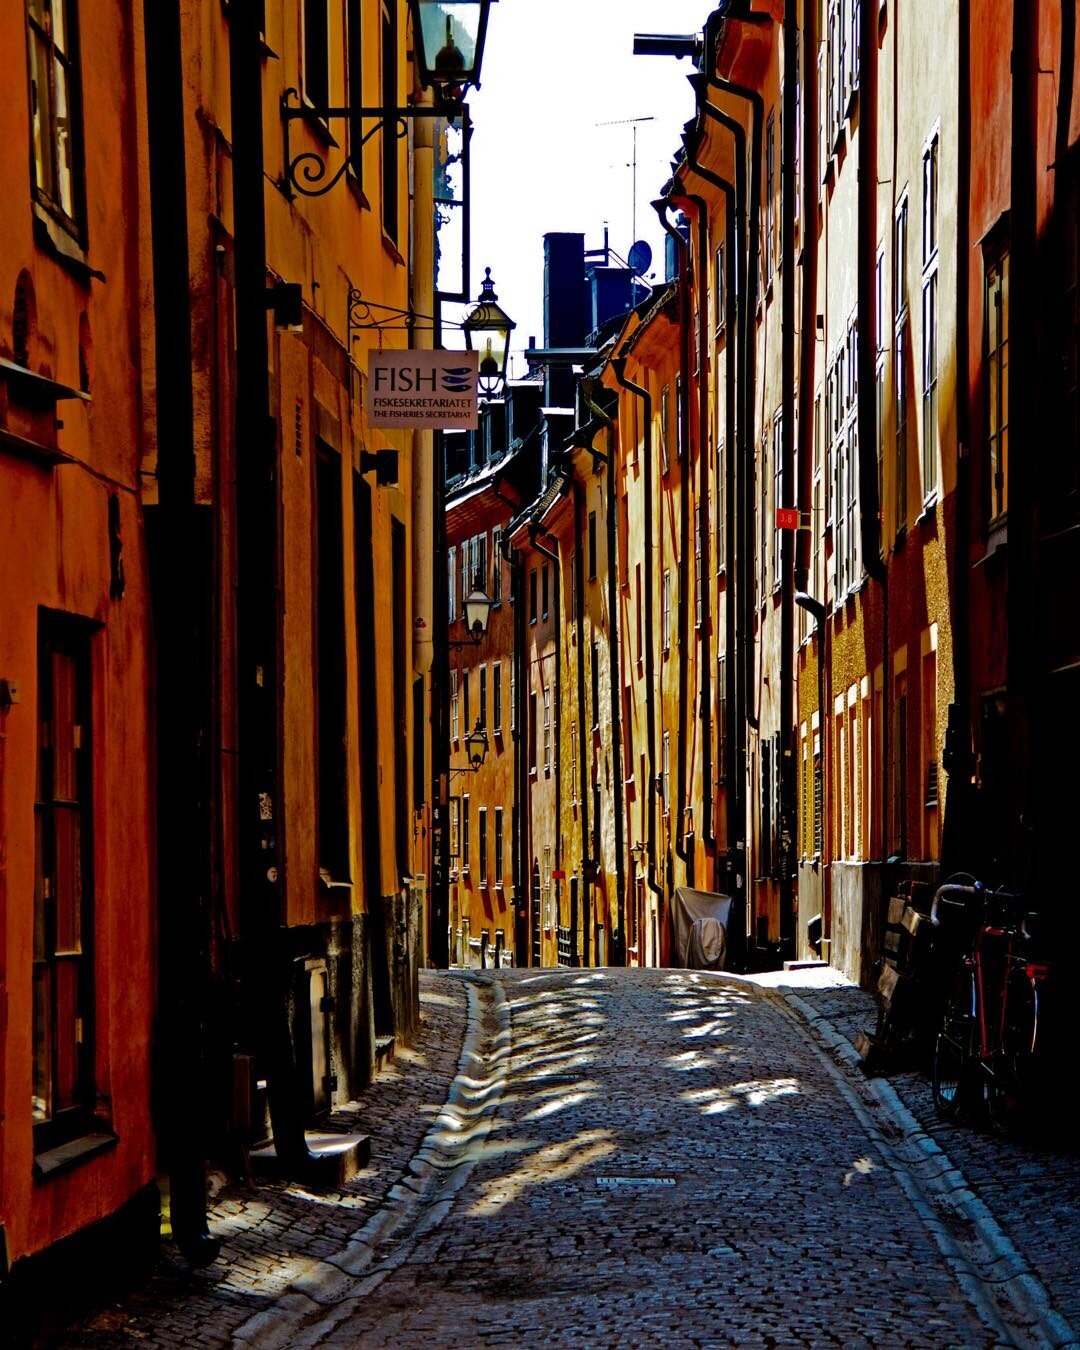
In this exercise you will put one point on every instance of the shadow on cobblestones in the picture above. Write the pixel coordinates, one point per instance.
(273, 1234)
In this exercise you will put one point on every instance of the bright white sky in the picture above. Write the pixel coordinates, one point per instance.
(553, 70)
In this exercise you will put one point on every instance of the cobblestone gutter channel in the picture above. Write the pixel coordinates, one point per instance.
(996, 1277)
(329, 1289)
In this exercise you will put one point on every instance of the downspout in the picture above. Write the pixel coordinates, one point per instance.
(535, 530)
(614, 679)
(182, 831)
(522, 872)
(704, 515)
(807, 381)
(738, 464)
(786, 766)
(618, 366)
(679, 814)
(869, 513)
(263, 892)
(749, 381)
(579, 616)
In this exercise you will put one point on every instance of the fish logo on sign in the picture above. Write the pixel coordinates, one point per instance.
(458, 379)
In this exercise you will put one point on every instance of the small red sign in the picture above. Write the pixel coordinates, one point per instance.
(558, 874)
(787, 518)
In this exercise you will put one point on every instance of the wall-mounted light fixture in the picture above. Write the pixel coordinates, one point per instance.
(477, 613)
(487, 330)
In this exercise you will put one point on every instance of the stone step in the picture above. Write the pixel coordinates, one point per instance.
(333, 1158)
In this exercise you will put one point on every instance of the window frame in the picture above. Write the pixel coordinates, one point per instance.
(49, 196)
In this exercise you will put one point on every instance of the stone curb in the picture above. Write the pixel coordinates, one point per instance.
(327, 1291)
(1002, 1274)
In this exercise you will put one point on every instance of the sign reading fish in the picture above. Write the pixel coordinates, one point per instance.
(422, 390)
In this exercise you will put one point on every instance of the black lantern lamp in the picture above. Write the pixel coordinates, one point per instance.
(487, 330)
(477, 612)
(450, 44)
(476, 745)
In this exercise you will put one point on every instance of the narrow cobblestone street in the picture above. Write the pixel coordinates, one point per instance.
(624, 1157)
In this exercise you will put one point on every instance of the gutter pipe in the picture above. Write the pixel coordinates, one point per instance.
(579, 616)
(618, 366)
(614, 678)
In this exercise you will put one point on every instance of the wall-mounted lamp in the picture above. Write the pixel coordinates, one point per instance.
(477, 614)
(476, 747)
(487, 330)
(450, 46)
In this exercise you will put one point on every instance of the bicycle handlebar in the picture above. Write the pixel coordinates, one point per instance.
(954, 893)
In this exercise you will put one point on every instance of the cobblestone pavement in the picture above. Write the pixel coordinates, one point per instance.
(638, 1158)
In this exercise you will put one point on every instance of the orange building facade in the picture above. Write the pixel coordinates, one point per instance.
(77, 918)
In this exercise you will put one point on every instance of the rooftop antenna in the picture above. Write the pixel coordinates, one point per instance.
(630, 122)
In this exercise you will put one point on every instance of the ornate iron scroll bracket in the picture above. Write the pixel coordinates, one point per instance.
(309, 172)
(365, 315)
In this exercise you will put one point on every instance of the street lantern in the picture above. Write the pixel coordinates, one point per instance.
(477, 612)
(476, 745)
(450, 43)
(487, 330)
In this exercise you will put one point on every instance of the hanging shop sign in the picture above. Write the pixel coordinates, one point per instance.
(422, 390)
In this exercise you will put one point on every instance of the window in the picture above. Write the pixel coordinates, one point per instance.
(770, 196)
(496, 565)
(532, 594)
(498, 846)
(678, 417)
(465, 832)
(466, 579)
(665, 415)
(930, 390)
(817, 534)
(54, 108)
(480, 566)
(665, 774)
(718, 289)
(465, 700)
(899, 771)
(451, 576)
(637, 612)
(997, 384)
(482, 716)
(592, 545)
(496, 697)
(573, 765)
(596, 686)
(545, 587)
(63, 1095)
(455, 827)
(930, 432)
(879, 381)
(481, 839)
(698, 579)
(389, 137)
(455, 707)
(721, 718)
(778, 492)
(513, 696)
(316, 53)
(666, 619)
(761, 571)
(547, 728)
(721, 509)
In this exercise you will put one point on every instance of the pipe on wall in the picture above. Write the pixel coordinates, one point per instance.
(618, 366)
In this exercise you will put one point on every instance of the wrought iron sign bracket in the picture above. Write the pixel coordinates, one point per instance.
(308, 173)
(366, 315)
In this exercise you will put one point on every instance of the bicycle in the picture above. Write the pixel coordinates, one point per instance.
(987, 1051)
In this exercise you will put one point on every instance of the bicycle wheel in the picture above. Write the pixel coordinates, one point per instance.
(1020, 1062)
(954, 1054)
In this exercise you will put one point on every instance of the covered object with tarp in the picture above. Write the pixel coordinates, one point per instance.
(699, 923)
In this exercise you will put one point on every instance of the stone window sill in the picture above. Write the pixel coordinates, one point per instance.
(56, 1161)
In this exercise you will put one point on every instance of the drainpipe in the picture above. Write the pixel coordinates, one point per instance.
(749, 355)
(679, 814)
(807, 378)
(705, 657)
(870, 513)
(522, 871)
(739, 460)
(615, 681)
(261, 731)
(535, 530)
(817, 611)
(183, 872)
(579, 614)
(786, 767)
(618, 366)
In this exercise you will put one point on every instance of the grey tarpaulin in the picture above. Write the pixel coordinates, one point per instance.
(699, 921)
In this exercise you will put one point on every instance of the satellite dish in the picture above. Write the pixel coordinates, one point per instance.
(639, 258)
